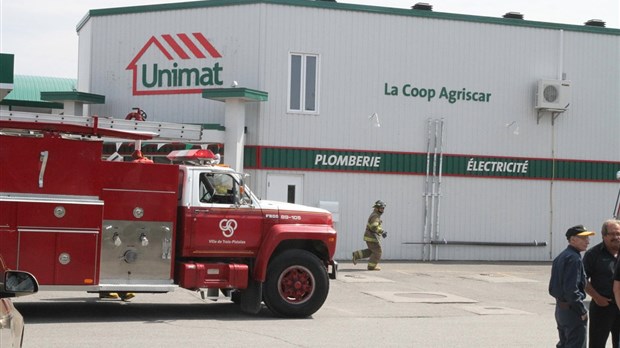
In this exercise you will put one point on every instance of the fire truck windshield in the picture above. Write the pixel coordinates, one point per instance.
(223, 188)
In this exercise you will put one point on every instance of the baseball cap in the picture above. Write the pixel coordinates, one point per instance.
(578, 230)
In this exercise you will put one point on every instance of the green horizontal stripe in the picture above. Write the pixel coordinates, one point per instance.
(416, 163)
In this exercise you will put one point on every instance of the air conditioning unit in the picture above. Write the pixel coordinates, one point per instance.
(553, 95)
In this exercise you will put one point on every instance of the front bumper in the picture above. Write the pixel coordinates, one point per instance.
(332, 270)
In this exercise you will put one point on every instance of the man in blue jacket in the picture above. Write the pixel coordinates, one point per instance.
(567, 285)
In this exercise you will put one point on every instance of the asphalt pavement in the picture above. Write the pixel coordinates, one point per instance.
(406, 304)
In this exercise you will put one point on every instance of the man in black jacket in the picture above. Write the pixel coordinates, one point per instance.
(599, 263)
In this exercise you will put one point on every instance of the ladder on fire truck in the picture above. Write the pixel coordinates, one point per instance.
(100, 126)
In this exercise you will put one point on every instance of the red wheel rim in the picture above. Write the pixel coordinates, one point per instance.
(296, 284)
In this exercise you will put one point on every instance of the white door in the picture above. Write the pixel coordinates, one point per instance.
(285, 188)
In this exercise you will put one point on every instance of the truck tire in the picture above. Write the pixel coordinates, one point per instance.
(297, 284)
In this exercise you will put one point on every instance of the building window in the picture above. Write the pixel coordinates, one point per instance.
(303, 83)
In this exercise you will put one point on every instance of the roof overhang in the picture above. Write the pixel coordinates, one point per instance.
(236, 93)
(73, 96)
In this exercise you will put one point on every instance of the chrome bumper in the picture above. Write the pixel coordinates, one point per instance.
(332, 270)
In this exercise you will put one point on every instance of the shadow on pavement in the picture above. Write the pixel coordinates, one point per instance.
(89, 311)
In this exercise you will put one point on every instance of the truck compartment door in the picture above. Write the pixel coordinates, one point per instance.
(59, 240)
(59, 257)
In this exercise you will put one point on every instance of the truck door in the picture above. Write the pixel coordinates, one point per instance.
(225, 222)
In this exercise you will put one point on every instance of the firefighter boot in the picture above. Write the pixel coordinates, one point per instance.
(373, 266)
(108, 295)
(126, 296)
(355, 257)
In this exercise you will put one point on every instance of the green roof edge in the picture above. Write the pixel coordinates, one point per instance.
(7, 65)
(348, 7)
(87, 98)
(31, 104)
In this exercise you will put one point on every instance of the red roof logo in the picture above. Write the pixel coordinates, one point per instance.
(179, 64)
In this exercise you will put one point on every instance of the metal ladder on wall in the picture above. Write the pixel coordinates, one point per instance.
(158, 130)
(432, 188)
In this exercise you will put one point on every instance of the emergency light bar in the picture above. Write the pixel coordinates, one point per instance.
(200, 155)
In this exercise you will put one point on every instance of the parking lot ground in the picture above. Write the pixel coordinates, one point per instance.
(406, 304)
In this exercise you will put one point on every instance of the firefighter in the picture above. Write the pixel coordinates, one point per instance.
(139, 158)
(125, 296)
(373, 231)
(223, 186)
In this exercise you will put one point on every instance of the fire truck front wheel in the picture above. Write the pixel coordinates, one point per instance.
(297, 284)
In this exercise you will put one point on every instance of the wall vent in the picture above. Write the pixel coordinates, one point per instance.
(595, 23)
(422, 6)
(513, 15)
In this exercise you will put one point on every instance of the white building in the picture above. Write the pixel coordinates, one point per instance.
(339, 105)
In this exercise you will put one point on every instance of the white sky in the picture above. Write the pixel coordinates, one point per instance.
(42, 36)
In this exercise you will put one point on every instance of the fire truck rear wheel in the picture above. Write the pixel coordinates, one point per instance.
(297, 284)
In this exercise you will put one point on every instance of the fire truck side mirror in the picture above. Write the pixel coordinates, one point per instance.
(18, 283)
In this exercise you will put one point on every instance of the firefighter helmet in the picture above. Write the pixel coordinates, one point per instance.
(137, 154)
(379, 204)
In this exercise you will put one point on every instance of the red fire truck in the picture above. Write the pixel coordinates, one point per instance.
(79, 222)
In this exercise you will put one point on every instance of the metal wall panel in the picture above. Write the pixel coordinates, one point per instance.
(589, 129)
(580, 203)
(84, 58)
(494, 211)
(353, 80)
